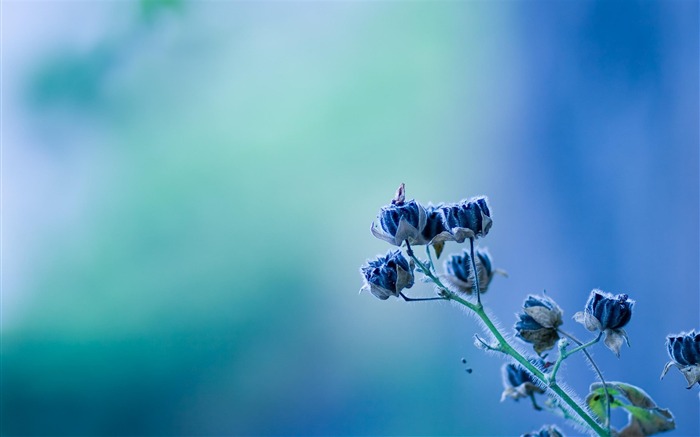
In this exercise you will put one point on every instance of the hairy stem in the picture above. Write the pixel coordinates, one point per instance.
(597, 371)
(564, 354)
(506, 348)
(430, 257)
(476, 274)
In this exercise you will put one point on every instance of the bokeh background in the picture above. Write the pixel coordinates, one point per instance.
(188, 188)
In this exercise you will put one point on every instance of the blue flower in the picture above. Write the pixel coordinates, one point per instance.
(609, 314)
(401, 221)
(387, 275)
(458, 271)
(539, 322)
(435, 231)
(410, 221)
(518, 382)
(466, 219)
(684, 350)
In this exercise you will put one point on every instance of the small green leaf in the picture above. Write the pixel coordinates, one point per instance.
(438, 248)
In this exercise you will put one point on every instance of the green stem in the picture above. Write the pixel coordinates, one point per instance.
(426, 271)
(476, 273)
(598, 372)
(509, 350)
(430, 257)
(506, 348)
(564, 354)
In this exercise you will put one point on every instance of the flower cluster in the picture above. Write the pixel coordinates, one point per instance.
(416, 224)
(540, 323)
(410, 222)
(684, 350)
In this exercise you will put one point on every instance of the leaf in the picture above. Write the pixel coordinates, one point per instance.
(645, 418)
(649, 421)
(596, 400)
(438, 248)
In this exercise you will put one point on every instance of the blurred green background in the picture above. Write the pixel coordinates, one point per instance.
(188, 189)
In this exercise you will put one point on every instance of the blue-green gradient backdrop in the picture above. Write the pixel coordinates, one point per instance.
(187, 189)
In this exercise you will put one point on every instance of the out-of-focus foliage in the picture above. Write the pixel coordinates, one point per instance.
(151, 8)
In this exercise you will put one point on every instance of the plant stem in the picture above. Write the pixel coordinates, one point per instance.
(509, 350)
(564, 354)
(598, 372)
(506, 348)
(476, 274)
(430, 257)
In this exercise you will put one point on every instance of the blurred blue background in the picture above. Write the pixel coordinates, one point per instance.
(188, 189)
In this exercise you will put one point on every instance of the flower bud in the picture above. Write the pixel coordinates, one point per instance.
(684, 350)
(459, 275)
(607, 313)
(517, 382)
(399, 222)
(467, 219)
(435, 230)
(545, 431)
(538, 323)
(387, 275)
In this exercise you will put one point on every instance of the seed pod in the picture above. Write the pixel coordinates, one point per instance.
(387, 275)
(459, 275)
(538, 323)
(684, 350)
(608, 314)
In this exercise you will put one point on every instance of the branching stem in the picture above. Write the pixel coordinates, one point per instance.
(597, 371)
(506, 348)
(564, 354)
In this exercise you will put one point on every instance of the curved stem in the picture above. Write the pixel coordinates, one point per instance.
(425, 270)
(564, 354)
(476, 273)
(419, 299)
(509, 350)
(430, 257)
(597, 371)
(506, 348)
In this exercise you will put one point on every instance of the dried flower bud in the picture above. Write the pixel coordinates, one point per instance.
(388, 275)
(435, 230)
(399, 222)
(538, 323)
(467, 219)
(684, 350)
(517, 382)
(458, 271)
(607, 313)
(545, 431)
